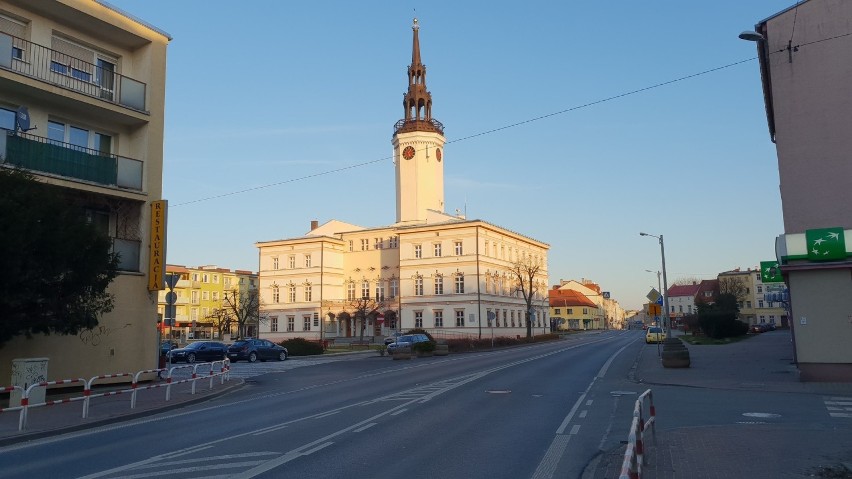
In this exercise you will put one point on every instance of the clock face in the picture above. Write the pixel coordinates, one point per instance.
(408, 152)
(438, 154)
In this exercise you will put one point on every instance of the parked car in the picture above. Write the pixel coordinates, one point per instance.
(252, 350)
(167, 346)
(201, 351)
(654, 335)
(392, 338)
(406, 340)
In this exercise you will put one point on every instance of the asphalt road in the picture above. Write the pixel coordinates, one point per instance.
(536, 411)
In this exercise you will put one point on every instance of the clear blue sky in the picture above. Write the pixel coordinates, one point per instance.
(268, 95)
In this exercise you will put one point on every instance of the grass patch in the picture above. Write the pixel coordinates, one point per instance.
(706, 340)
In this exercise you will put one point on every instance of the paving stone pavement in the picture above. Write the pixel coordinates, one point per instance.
(746, 449)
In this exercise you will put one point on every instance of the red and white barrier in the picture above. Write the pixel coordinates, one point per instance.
(634, 456)
(87, 391)
(25, 399)
(223, 372)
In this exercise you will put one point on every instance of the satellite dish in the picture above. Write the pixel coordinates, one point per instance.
(22, 119)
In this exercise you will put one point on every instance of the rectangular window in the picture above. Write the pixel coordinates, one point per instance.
(459, 319)
(439, 319)
(273, 324)
(350, 291)
(394, 288)
(308, 294)
(772, 318)
(418, 251)
(748, 304)
(215, 279)
(205, 278)
(291, 323)
(291, 261)
(485, 250)
(380, 291)
(760, 304)
(439, 285)
(275, 262)
(205, 296)
(307, 261)
(418, 319)
(291, 295)
(365, 290)
(275, 294)
(214, 296)
(570, 311)
(586, 310)
(351, 247)
(394, 241)
(306, 323)
(760, 289)
(316, 320)
(365, 244)
(418, 286)
(379, 242)
(458, 248)
(459, 283)
(437, 249)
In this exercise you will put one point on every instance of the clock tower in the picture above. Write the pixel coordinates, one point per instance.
(418, 148)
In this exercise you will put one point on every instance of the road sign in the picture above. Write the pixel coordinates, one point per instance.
(659, 301)
(653, 295)
(654, 309)
(605, 294)
(171, 280)
(171, 297)
(169, 315)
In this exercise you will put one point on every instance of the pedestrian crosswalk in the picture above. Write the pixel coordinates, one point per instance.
(839, 406)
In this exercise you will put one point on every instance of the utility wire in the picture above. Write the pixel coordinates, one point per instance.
(512, 125)
(475, 135)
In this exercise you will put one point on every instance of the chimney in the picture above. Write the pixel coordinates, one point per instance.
(314, 224)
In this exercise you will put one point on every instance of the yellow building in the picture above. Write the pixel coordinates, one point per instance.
(429, 270)
(200, 300)
(92, 80)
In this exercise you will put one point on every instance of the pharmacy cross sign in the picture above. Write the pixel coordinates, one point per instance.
(825, 244)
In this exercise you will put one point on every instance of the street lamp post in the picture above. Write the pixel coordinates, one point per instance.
(666, 319)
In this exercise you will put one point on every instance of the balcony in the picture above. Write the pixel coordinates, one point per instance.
(39, 154)
(57, 68)
(405, 126)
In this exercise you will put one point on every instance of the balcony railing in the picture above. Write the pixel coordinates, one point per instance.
(40, 154)
(405, 126)
(37, 61)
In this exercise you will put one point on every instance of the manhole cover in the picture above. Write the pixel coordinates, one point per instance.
(765, 415)
(499, 391)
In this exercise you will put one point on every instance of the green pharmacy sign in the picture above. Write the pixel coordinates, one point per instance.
(825, 244)
(770, 272)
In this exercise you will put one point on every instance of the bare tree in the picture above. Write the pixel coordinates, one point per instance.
(240, 308)
(734, 286)
(686, 281)
(221, 319)
(526, 271)
(361, 309)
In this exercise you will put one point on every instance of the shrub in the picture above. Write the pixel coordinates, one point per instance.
(423, 347)
(302, 347)
(420, 331)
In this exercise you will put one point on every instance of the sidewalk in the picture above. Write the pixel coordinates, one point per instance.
(47, 421)
(762, 363)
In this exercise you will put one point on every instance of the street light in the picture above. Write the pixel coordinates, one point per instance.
(666, 319)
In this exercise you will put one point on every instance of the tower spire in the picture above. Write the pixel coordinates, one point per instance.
(417, 102)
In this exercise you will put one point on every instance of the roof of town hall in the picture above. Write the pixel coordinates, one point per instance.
(568, 297)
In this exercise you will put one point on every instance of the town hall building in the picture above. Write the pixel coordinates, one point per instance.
(444, 273)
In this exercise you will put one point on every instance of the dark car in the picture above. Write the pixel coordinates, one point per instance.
(201, 351)
(407, 340)
(253, 349)
(167, 346)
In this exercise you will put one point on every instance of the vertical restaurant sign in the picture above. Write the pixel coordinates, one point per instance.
(157, 253)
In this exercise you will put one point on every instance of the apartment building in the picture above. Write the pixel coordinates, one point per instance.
(201, 303)
(82, 91)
